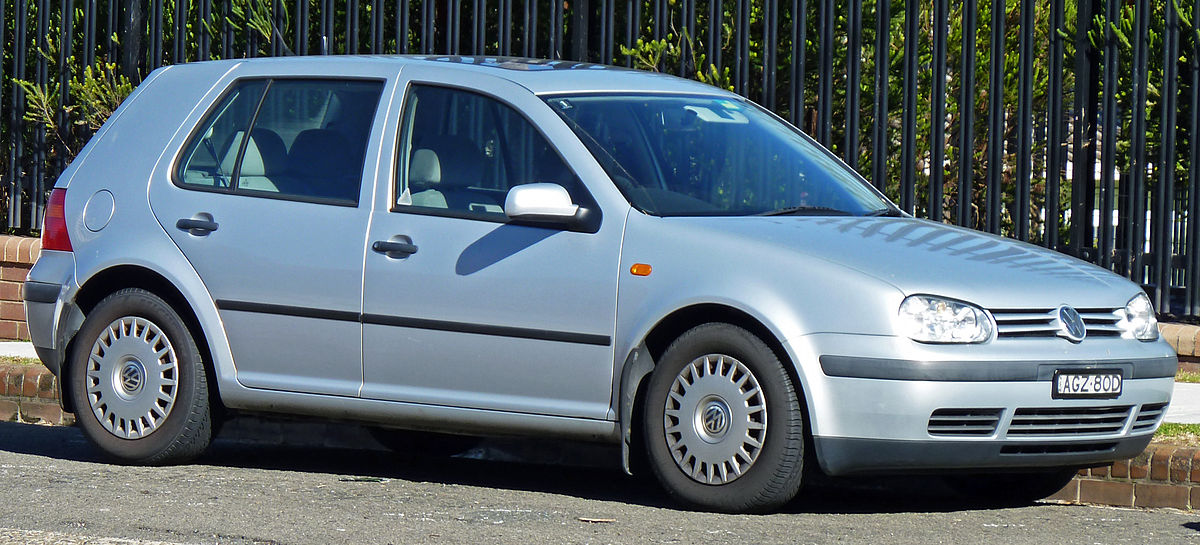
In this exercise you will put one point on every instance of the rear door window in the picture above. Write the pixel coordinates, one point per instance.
(307, 140)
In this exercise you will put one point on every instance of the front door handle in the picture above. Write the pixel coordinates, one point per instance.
(391, 247)
(196, 226)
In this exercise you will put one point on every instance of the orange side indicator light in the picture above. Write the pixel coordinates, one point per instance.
(640, 269)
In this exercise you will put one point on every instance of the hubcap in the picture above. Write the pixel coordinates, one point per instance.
(715, 419)
(132, 377)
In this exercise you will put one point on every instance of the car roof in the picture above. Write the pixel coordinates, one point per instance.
(540, 76)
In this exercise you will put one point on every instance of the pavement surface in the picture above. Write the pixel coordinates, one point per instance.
(57, 490)
(1185, 404)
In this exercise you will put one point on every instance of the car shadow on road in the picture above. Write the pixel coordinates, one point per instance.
(574, 469)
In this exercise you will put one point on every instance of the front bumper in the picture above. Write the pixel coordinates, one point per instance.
(934, 408)
(845, 455)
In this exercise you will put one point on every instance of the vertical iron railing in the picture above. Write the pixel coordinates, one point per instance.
(1000, 115)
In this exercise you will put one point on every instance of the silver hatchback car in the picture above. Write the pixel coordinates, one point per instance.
(495, 246)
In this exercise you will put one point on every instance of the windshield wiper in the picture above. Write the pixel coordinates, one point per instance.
(888, 212)
(806, 210)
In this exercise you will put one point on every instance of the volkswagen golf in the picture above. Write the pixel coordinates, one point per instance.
(497, 246)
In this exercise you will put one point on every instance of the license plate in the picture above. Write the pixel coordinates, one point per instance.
(1100, 383)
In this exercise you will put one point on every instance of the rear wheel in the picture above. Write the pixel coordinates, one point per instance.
(138, 382)
(722, 422)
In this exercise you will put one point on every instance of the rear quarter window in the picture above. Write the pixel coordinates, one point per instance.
(296, 139)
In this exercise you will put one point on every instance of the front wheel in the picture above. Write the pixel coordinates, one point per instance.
(138, 382)
(722, 422)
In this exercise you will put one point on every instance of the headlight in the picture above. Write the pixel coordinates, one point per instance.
(931, 319)
(1138, 321)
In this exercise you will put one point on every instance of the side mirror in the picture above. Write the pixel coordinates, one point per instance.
(540, 202)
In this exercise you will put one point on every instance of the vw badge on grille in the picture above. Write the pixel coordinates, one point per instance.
(1070, 324)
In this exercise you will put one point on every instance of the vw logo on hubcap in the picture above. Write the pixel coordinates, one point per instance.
(132, 377)
(715, 418)
(1071, 324)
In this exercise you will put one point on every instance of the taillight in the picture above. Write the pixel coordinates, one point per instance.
(54, 225)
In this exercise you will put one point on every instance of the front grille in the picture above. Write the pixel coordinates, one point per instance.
(972, 422)
(1010, 323)
(1071, 421)
(1148, 416)
(1057, 448)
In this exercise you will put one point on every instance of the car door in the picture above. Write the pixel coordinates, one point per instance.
(267, 200)
(462, 307)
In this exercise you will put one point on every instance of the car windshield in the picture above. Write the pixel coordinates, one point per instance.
(705, 156)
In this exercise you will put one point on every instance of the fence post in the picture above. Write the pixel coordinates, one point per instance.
(1087, 94)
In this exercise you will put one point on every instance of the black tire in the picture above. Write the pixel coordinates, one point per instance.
(420, 443)
(773, 474)
(1020, 488)
(179, 429)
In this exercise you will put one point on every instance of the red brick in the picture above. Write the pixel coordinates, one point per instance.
(1195, 498)
(3, 380)
(10, 291)
(48, 387)
(1139, 466)
(16, 377)
(1195, 476)
(35, 251)
(1106, 492)
(40, 412)
(8, 329)
(11, 249)
(1160, 464)
(9, 410)
(1083, 472)
(14, 273)
(1120, 469)
(1160, 495)
(1181, 464)
(22, 331)
(25, 250)
(30, 386)
(1068, 493)
(12, 310)
(1101, 471)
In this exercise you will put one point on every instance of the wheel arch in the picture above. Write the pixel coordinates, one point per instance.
(643, 358)
(110, 280)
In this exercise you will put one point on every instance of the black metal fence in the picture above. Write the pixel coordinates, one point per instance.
(1070, 124)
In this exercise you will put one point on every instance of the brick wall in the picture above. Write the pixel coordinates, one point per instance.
(18, 256)
(29, 393)
(1161, 476)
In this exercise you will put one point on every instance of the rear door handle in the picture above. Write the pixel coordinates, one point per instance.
(394, 247)
(196, 226)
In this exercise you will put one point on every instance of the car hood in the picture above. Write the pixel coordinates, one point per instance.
(920, 256)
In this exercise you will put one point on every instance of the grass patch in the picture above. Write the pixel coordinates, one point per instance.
(1178, 434)
(5, 360)
(1187, 376)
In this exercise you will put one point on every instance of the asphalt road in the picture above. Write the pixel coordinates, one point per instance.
(55, 489)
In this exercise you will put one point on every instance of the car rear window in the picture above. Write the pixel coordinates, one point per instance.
(307, 140)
